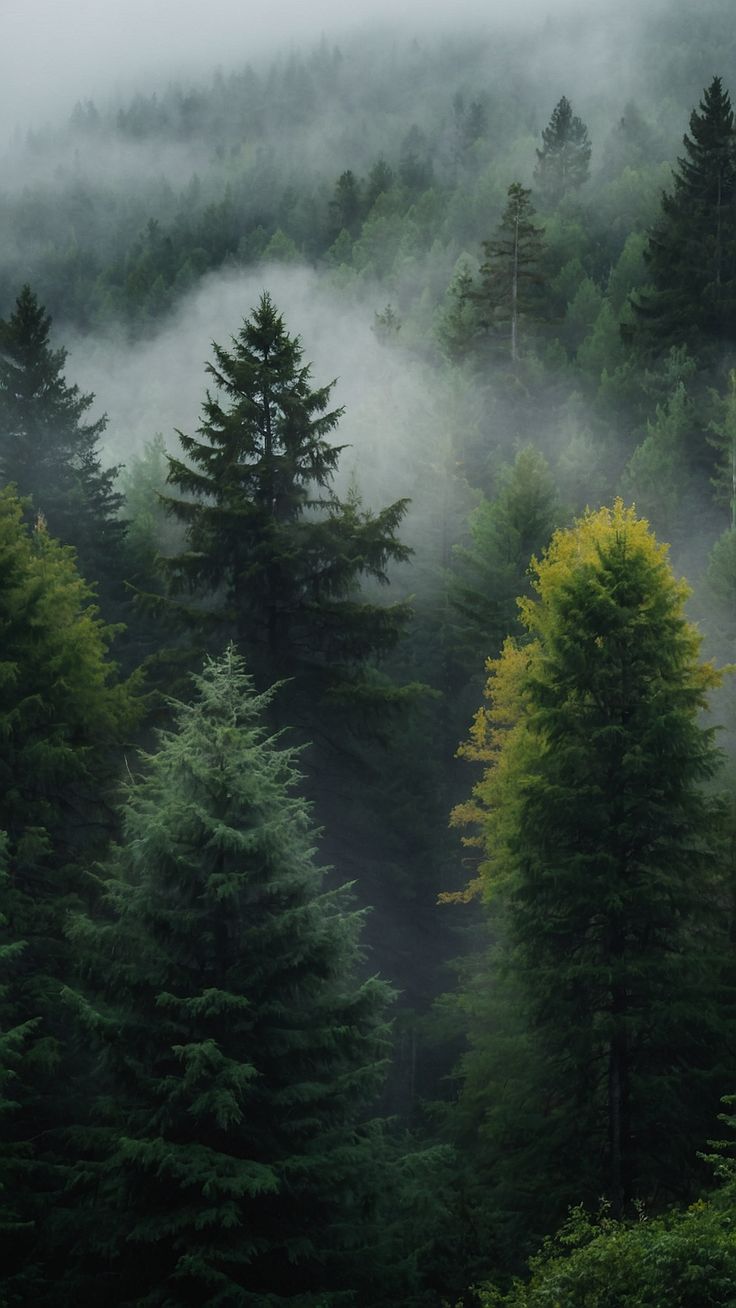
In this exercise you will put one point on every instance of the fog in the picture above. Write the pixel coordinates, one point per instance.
(399, 415)
(52, 55)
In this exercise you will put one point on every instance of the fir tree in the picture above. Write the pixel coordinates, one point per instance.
(277, 556)
(240, 1054)
(48, 449)
(691, 254)
(563, 162)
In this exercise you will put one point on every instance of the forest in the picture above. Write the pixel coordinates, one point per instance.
(367, 699)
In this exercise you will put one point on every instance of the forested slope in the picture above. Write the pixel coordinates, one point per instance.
(366, 895)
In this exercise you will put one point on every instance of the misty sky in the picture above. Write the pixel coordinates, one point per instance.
(53, 53)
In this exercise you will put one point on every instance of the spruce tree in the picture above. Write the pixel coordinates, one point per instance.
(48, 448)
(691, 254)
(511, 292)
(240, 1053)
(601, 855)
(563, 162)
(272, 552)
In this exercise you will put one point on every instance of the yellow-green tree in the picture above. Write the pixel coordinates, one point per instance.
(600, 854)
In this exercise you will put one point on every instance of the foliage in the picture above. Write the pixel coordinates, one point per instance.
(276, 555)
(656, 475)
(510, 295)
(61, 714)
(505, 531)
(691, 254)
(48, 450)
(687, 1259)
(600, 847)
(563, 162)
(240, 1053)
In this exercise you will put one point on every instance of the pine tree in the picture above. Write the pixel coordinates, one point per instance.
(563, 162)
(275, 554)
(601, 853)
(48, 450)
(510, 295)
(240, 1053)
(691, 254)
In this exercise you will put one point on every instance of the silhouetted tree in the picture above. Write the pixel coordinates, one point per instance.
(47, 449)
(275, 554)
(691, 255)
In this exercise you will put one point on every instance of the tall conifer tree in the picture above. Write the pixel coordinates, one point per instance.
(692, 249)
(240, 1052)
(510, 295)
(602, 855)
(277, 557)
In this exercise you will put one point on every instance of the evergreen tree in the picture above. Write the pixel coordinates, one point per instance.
(48, 449)
(457, 322)
(656, 474)
(277, 555)
(691, 254)
(15, 1220)
(61, 713)
(724, 440)
(487, 577)
(563, 162)
(346, 205)
(601, 854)
(381, 178)
(235, 1164)
(510, 295)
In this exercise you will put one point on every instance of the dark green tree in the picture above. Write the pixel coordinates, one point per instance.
(62, 717)
(723, 438)
(691, 254)
(16, 1222)
(48, 449)
(458, 324)
(381, 179)
(277, 555)
(488, 575)
(510, 296)
(346, 205)
(563, 162)
(234, 1159)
